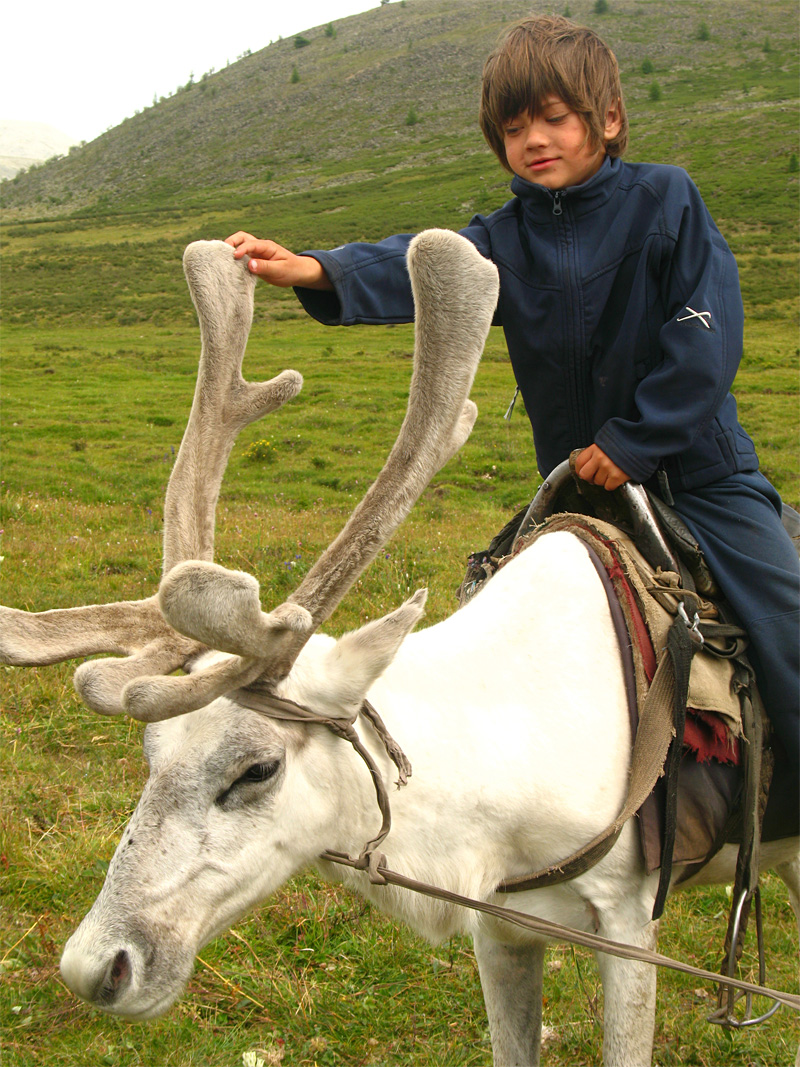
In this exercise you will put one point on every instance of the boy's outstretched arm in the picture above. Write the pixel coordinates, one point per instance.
(277, 265)
(593, 465)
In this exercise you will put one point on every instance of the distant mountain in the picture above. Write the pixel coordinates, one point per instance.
(395, 91)
(23, 144)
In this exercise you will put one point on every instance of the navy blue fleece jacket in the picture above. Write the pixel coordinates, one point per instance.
(622, 313)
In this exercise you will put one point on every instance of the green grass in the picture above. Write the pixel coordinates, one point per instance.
(99, 352)
(314, 976)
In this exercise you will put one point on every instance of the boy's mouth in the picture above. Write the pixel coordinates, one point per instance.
(540, 164)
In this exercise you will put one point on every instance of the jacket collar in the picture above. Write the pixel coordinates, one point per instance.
(538, 201)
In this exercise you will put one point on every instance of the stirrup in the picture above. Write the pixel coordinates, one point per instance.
(646, 529)
(724, 1015)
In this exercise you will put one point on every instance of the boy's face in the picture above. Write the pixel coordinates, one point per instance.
(553, 147)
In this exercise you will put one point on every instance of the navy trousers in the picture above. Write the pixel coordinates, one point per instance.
(737, 523)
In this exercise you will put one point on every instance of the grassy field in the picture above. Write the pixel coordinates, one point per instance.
(99, 352)
(91, 420)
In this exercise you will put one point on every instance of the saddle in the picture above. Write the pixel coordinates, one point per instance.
(653, 569)
(715, 790)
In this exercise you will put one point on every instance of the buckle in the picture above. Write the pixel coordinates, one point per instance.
(692, 626)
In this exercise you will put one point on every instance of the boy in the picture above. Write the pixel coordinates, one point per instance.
(621, 308)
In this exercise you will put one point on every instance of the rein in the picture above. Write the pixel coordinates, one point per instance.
(374, 862)
(278, 708)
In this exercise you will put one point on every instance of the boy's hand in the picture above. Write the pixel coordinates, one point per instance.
(277, 265)
(593, 465)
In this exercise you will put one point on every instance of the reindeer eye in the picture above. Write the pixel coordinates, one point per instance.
(259, 772)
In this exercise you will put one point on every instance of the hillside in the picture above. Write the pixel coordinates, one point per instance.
(251, 129)
(379, 135)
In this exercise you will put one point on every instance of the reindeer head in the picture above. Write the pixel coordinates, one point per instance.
(209, 837)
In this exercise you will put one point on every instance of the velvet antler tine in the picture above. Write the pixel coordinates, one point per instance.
(463, 428)
(100, 683)
(153, 699)
(222, 608)
(455, 293)
(224, 403)
(37, 638)
(222, 290)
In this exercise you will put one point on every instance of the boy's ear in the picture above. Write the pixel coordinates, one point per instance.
(613, 122)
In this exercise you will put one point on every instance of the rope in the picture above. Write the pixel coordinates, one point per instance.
(557, 932)
(374, 863)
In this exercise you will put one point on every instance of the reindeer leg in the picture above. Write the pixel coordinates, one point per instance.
(629, 988)
(789, 873)
(511, 980)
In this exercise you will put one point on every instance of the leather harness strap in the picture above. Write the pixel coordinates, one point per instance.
(651, 745)
(374, 863)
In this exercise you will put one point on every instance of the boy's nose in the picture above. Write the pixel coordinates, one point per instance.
(538, 135)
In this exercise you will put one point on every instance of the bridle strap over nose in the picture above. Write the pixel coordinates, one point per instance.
(266, 703)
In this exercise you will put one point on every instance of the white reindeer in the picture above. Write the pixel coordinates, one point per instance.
(514, 766)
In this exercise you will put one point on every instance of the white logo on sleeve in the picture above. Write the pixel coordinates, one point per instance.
(697, 318)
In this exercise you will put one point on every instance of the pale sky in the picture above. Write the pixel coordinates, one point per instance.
(85, 66)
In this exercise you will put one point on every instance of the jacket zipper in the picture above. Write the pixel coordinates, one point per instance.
(576, 370)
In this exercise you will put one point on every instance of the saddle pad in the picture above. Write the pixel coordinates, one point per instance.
(711, 683)
(709, 778)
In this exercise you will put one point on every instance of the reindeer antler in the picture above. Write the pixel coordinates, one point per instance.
(455, 293)
(222, 291)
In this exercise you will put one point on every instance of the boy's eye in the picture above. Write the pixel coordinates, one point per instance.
(558, 118)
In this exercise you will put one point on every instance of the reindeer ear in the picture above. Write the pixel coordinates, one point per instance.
(360, 657)
(159, 739)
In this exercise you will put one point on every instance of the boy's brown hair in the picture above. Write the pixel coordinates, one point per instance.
(546, 56)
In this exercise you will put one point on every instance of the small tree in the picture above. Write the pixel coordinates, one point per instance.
(601, 7)
(330, 30)
(301, 42)
(703, 32)
(412, 118)
(794, 163)
(295, 78)
(655, 92)
(647, 66)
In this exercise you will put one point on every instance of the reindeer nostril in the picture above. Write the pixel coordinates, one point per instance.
(117, 978)
(120, 968)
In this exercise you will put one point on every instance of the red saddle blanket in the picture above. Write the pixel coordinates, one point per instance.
(709, 776)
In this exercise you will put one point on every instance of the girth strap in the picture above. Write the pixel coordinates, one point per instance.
(651, 745)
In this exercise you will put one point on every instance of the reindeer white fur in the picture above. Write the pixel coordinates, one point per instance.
(516, 764)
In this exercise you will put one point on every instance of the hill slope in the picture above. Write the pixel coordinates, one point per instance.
(251, 127)
(96, 237)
